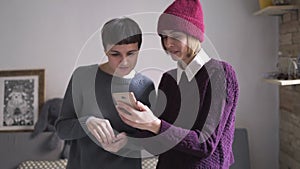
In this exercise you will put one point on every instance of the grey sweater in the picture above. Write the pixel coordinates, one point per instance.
(89, 94)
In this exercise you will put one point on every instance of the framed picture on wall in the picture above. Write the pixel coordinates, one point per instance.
(21, 98)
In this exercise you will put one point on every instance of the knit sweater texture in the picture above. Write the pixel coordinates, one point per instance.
(198, 121)
(89, 94)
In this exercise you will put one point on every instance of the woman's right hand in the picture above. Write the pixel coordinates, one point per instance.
(116, 145)
(101, 129)
(143, 118)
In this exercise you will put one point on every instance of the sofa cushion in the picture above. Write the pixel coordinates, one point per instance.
(57, 164)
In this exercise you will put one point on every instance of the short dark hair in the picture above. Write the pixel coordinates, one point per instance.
(121, 31)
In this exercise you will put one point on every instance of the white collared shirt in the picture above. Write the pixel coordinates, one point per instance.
(194, 66)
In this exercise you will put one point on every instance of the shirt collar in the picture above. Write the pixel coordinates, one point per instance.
(193, 67)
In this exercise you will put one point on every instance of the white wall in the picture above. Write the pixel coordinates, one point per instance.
(50, 34)
(249, 43)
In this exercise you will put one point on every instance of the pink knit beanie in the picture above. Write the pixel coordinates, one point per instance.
(184, 16)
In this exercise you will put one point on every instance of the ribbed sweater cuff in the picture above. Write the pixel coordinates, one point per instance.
(82, 120)
(164, 126)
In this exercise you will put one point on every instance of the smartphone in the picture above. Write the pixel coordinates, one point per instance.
(126, 97)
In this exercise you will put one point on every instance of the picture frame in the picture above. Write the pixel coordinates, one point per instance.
(21, 98)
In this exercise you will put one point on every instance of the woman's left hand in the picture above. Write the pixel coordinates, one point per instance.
(142, 119)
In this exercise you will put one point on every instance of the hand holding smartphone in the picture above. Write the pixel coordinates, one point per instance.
(126, 97)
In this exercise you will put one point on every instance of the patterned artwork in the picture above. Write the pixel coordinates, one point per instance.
(18, 102)
(21, 97)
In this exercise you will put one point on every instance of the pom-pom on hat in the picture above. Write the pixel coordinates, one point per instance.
(184, 16)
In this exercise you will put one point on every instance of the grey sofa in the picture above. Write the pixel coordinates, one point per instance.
(17, 147)
(241, 149)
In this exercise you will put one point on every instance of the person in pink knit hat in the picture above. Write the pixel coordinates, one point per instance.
(192, 125)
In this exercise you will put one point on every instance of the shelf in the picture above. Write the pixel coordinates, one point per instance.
(277, 10)
(283, 82)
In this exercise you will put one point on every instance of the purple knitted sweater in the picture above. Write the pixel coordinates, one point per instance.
(202, 135)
